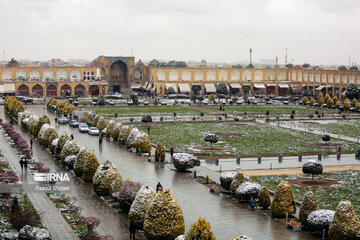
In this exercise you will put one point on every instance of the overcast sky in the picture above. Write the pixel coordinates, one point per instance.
(315, 31)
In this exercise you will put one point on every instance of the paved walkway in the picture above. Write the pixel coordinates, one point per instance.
(92, 205)
(50, 217)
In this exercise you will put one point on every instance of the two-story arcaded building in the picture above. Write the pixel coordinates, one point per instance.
(51, 81)
(120, 74)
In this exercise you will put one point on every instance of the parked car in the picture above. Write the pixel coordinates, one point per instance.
(163, 103)
(146, 103)
(63, 120)
(74, 123)
(94, 131)
(83, 127)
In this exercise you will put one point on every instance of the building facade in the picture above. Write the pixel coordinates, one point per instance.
(111, 74)
(52, 81)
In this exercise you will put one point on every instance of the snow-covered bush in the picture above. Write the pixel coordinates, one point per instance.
(84, 116)
(180, 237)
(95, 120)
(70, 148)
(89, 119)
(62, 140)
(184, 161)
(32, 123)
(312, 167)
(235, 183)
(264, 199)
(211, 138)
(105, 174)
(42, 120)
(53, 145)
(226, 178)
(115, 132)
(320, 219)
(90, 166)
(200, 230)
(26, 115)
(131, 138)
(126, 194)
(345, 224)
(101, 124)
(142, 142)
(284, 201)
(69, 161)
(159, 152)
(80, 160)
(308, 205)
(141, 202)
(247, 191)
(110, 128)
(164, 218)
(46, 134)
(124, 133)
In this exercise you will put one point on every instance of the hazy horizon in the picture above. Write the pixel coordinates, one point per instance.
(319, 32)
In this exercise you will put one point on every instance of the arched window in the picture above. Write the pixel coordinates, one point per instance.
(174, 75)
(281, 76)
(351, 79)
(20, 75)
(337, 78)
(305, 76)
(311, 77)
(211, 75)
(247, 75)
(6, 75)
(138, 73)
(223, 75)
(344, 79)
(75, 75)
(299, 76)
(323, 77)
(186, 75)
(270, 75)
(199, 75)
(34, 75)
(235, 75)
(259, 75)
(330, 78)
(61, 75)
(293, 76)
(48, 75)
(161, 75)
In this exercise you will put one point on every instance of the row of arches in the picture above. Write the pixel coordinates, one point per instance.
(223, 75)
(259, 75)
(52, 90)
(48, 75)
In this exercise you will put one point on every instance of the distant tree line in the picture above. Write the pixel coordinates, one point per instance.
(172, 63)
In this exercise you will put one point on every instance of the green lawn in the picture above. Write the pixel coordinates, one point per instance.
(349, 128)
(261, 109)
(144, 110)
(257, 139)
(326, 198)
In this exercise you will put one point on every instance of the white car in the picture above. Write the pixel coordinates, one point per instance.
(94, 131)
(83, 127)
(163, 103)
(63, 120)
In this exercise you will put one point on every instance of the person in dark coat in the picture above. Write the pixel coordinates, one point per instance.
(31, 143)
(171, 152)
(25, 164)
(72, 136)
(132, 229)
(100, 141)
(159, 187)
(22, 164)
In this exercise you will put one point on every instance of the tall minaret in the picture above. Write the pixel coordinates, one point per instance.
(277, 60)
(286, 55)
(250, 55)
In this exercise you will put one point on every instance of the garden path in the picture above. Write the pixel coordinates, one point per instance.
(50, 217)
(227, 217)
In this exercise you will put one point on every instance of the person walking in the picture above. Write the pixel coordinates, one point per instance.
(25, 164)
(31, 143)
(72, 137)
(100, 141)
(159, 187)
(56, 120)
(22, 164)
(171, 152)
(339, 149)
(132, 229)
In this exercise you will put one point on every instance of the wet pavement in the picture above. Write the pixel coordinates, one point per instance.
(227, 217)
(50, 217)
